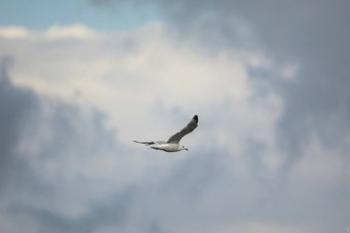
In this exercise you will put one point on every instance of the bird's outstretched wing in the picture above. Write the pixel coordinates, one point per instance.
(188, 129)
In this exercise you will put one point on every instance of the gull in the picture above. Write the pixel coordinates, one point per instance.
(172, 145)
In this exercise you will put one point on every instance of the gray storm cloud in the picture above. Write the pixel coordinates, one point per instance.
(38, 136)
(64, 170)
(16, 106)
(313, 34)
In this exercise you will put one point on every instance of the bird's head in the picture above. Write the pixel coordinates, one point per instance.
(184, 148)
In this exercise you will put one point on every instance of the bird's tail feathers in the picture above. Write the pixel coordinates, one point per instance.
(145, 143)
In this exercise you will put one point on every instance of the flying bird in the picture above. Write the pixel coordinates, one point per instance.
(173, 143)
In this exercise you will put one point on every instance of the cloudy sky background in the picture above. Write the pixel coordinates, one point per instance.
(79, 80)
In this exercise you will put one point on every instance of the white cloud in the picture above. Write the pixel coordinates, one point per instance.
(148, 71)
(149, 84)
(290, 71)
(55, 32)
(13, 32)
(76, 31)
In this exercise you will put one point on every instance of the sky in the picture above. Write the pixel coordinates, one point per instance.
(269, 80)
(41, 14)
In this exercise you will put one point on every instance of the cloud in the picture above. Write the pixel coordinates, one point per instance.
(15, 106)
(310, 35)
(55, 32)
(309, 39)
(74, 31)
(146, 62)
(78, 175)
(13, 32)
(47, 148)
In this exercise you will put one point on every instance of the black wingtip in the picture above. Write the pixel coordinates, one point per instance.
(195, 118)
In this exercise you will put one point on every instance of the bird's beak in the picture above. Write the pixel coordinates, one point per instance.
(186, 149)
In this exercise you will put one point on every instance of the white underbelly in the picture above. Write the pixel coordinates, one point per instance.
(169, 147)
